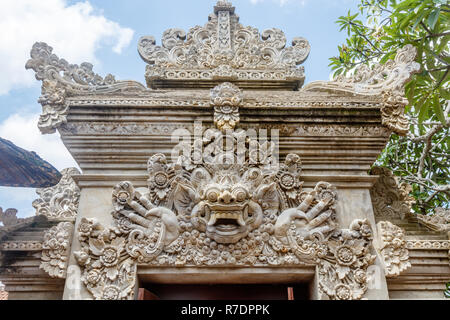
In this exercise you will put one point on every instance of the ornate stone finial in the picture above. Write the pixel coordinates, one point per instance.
(393, 248)
(59, 202)
(223, 5)
(439, 221)
(389, 198)
(55, 249)
(223, 50)
(9, 217)
(226, 99)
(386, 81)
(59, 78)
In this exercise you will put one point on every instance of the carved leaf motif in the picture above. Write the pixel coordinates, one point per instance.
(184, 199)
(96, 246)
(267, 196)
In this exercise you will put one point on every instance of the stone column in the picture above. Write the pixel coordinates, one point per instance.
(94, 203)
(357, 204)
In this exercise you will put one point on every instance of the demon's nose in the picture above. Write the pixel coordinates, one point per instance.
(226, 197)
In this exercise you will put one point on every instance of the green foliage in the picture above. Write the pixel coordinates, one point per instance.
(375, 33)
(447, 291)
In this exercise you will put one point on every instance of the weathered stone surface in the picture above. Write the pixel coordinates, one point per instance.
(297, 207)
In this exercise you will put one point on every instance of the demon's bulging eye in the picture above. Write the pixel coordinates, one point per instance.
(212, 194)
(240, 194)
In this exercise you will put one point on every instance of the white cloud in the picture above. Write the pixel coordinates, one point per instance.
(22, 130)
(20, 199)
(74, 31)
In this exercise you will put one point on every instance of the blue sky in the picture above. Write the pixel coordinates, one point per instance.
(106, 33)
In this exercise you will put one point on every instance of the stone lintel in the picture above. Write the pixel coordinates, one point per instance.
(232, 275)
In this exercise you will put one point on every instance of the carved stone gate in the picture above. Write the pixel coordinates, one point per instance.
(269, 181)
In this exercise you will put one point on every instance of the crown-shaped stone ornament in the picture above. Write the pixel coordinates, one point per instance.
(224, 50)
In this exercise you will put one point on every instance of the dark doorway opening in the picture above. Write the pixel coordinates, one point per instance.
(298, 291)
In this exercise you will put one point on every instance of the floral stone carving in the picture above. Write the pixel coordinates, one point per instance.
(61, 200)
(222, 213)
(342, 269)
(109, 273)
(55, 249)
(390, 199)
(393, 248)
(61, 79)
(387, 81)
(226, 99)
(224, 50)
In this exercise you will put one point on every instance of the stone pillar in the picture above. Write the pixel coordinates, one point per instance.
(94, 203)
(356, 204)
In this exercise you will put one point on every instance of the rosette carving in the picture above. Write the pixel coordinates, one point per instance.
(393, 248)
(61, 79)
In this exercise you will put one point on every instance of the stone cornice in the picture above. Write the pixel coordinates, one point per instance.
(140, 180)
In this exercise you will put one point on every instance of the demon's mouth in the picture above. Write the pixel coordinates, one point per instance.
(226, 222)
(227, 219)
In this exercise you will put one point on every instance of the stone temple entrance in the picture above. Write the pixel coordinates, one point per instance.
(226, 171)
